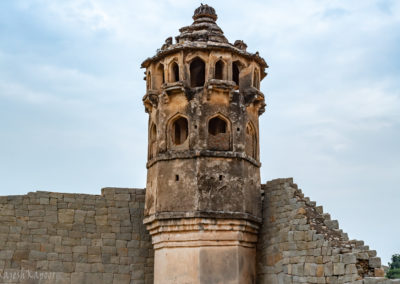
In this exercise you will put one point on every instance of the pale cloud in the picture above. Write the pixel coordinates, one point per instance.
(19, 93)
(358, 104)
(83, 13)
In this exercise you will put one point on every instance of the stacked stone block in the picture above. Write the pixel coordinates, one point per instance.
(299, 243)
(48, 237)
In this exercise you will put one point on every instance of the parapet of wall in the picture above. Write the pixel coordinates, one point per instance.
(298, 243)
(48, 237)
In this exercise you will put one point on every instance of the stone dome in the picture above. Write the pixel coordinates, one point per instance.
(204, 27)
(205, 11)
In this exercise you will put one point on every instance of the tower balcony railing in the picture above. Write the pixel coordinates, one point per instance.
(221, 84)
(172, 87)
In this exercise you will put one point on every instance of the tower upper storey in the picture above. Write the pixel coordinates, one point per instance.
(202, 85)
(203, 35)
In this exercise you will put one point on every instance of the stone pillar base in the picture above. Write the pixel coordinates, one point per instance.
(214, 264)
(201, 250)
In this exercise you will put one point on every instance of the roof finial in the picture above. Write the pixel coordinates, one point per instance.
(205, 11)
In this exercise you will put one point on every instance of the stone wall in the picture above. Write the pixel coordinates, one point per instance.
(48, 237)
(298, 243)
(64, 238)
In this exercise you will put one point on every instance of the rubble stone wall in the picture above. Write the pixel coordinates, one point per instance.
(48, 237)
(299, 243)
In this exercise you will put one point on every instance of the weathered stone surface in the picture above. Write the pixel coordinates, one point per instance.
(66, 215)
(286, 252)
(338, 268)
(314, 250)
(60, 239)
(204, 101)
(6, 254)
(374, 262)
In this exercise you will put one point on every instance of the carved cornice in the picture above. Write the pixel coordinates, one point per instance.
(191, 154)
(206, 46)
(200, 231)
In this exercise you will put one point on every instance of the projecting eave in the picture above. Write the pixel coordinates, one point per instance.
(210, 45)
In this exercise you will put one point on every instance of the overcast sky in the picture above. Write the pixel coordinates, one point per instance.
(71, 87)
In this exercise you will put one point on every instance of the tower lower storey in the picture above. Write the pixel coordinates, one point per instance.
(203, 250)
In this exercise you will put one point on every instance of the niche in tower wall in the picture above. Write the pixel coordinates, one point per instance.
(153, 141)
(179, 131)
(174, 72)
(148, 81)
(159, 78)
(256, 79)
(218, 134)
(251, 141)
(219, 70)
(197, 72)
(235, 72)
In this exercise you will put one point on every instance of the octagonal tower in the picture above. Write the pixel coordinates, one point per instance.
(203, 203)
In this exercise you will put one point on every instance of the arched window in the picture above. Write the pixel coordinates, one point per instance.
(251, 141)
(148, 80)
(219, 70)
(218, 134)
(153, 141)
(216, 126)
(197, 72)
(179, 131)
(235, 72)
(159, 76)
(256, 79)
(174, 72)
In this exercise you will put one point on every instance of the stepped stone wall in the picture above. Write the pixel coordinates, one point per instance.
(65, 238)
(298, 243)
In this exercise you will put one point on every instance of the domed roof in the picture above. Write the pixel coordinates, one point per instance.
(204, 27)
(205, 11)
(203, 34)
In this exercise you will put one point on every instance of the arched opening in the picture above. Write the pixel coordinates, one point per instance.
(256, 79)
(235, 72)
(148, 81)
(153, 141)
(251, 141)
(197, 72)
(219, 70)
(174, 72)
(159, 76)
(218, 134)
(216, 125)
(179, 131)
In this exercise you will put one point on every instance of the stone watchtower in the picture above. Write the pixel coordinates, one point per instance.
(203, 201)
